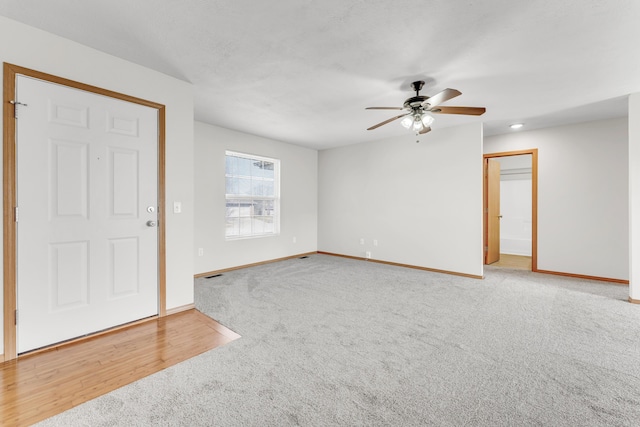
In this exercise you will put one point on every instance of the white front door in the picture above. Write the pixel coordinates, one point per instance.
(87, 190)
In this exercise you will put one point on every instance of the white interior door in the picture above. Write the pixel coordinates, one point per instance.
(87, 182)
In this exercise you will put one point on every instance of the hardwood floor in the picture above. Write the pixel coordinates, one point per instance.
(40, 385)
(514, 261)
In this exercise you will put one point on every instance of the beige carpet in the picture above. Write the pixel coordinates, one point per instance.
(336, 342)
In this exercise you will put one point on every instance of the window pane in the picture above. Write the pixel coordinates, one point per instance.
(268, 169)
(246, 208)
(244, 166)
(233, 227)
(256, 171)
(245, 226)
(232, 185)
(259, 207)
(232, 165)
(263, 207)
(269, 207)
(233, 209)
(244, 187)
(268, 188)
(257, 187)
(268, 224)
(257, 224)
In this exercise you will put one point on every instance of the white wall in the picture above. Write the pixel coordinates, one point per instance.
(421, 202)
(513, 164)
(515, 224)
(36, 49)
(515, 205)
(298, 192)
(582, 195)
(634, 196)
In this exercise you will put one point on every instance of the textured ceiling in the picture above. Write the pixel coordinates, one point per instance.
(303, 71)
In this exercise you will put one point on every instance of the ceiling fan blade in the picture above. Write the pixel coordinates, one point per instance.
(441, 97)
(469, 111)
(384, 108)
(387, 121)
(425, 130)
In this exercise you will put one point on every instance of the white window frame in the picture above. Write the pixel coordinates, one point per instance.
(251, 199)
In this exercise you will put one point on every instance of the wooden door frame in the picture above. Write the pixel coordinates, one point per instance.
(10, 193)
(534, 200)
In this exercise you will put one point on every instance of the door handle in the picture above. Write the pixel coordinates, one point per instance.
(499, 216)
(151, 223)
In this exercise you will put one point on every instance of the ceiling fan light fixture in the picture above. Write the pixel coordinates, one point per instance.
(417, 121)
(426, 120)
(417, 124)
(407, 122)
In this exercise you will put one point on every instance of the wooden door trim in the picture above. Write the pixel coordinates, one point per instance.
(9, 192)
(534, 199)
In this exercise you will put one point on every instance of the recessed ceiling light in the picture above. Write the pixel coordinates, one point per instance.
(516, 125)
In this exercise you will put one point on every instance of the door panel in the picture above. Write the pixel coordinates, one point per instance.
(124, 270)
(123, 183)
(69, 179)
(492, 218)
(86, 173)
(69, 275)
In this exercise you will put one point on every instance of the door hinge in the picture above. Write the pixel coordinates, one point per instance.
(15, 318)
(15, 107)
(486, 248)
(16, 213)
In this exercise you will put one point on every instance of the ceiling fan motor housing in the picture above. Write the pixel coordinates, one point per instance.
(415, 101)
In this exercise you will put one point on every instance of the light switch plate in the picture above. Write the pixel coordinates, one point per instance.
(177, 207)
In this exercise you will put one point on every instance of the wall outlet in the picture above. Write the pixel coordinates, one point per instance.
(362, 241)
(375, 242)
(367, 255)
(200, 251)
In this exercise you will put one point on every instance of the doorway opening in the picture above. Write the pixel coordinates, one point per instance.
(510, 209)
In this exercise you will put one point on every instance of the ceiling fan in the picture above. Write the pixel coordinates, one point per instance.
(418, 108)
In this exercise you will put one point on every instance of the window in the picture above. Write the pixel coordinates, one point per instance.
(252, 195)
